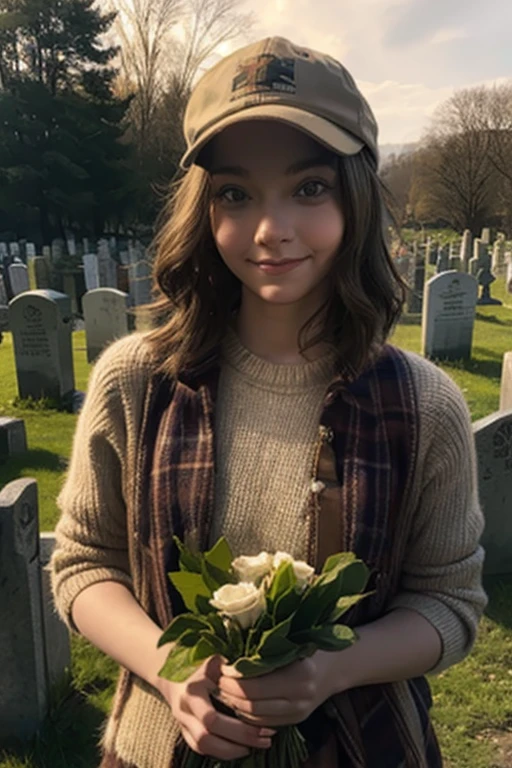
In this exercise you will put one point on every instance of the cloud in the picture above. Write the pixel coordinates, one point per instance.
(448, 35)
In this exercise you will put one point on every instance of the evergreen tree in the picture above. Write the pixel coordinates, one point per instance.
(62, 162)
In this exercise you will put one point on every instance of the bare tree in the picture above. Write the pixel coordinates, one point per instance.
(454, 170)
(397, 173)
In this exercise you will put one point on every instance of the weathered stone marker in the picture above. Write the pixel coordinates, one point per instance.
(506, 383)
(23, 672)
(105, 318)
(449, 316)
(13, 438)
(40, 322)
(57, 645)
(493, 439)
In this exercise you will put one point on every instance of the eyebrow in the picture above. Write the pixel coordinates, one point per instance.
(301, 165)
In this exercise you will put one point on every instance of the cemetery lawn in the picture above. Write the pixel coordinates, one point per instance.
(472, 701)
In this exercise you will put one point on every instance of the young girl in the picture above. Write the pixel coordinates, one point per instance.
(267, 406)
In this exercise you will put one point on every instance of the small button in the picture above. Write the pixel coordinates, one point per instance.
(326, 433)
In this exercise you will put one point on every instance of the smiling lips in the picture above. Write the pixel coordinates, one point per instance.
(277, 267)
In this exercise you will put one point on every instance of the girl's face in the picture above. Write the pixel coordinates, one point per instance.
(275, 213)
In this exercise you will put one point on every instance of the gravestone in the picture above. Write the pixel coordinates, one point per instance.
(39, 276)
(57, 645)
(14, 249)
(486, 236)
(506, 383)
(499, 265)
(23, 671)
(18, 275)
(466, 248)
(40, 322)
(13, 438)
(4, 252)
(139, 276)
(485, 280)
(455, 263)
(442, 261)
(4, 299)
(107, 266)
(71, 244)
(493, 440)
(47, 254)
(57, 249)
(105, 315)
(480, 258)
(69, 289)
(449, 316)
(91, 271)
(415, 304)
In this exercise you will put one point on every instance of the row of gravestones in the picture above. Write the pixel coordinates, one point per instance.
(34, 644)
(132, 275)
(41, 325)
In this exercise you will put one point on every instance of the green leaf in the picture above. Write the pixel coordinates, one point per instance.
(214, 577)
(330, 637)
(286, 605)
(207, 645)
(217, 625)
(235, 638)
(178, 666)
(190, 586)
(220, 555)
(335, 560)
(355, 578)
(344, 604)
(181, 624)
(189, 561)
(274, 641)
(203, 605)
(284, 579)
(253, 666)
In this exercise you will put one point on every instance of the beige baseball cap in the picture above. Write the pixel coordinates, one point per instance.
(278, 80)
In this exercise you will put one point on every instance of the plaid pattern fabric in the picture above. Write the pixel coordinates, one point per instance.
(368, 439)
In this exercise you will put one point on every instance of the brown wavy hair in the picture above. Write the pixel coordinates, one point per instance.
(196, 293)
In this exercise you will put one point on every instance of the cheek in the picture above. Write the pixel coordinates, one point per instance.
(232, 235)
(323, 229)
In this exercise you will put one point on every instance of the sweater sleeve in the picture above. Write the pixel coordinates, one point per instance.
(91, 536)
(442, 573)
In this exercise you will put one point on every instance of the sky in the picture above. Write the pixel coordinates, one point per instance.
(407, 56)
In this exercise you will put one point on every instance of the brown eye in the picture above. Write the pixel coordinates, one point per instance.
(312, 189)
(232, 195)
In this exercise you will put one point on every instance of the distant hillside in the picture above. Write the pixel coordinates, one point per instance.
(386, 150)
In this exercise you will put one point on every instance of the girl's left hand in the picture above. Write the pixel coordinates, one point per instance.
(284, 697)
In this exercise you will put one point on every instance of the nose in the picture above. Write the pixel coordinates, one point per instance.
(274, 227)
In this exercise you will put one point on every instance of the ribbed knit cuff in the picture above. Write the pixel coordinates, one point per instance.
(67, 591)
(454, 637)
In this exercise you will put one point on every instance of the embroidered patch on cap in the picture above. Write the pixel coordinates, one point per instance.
(264, 73)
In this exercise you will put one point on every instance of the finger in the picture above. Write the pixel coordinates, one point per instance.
(205, 743)
(261, 707)
(226, 727)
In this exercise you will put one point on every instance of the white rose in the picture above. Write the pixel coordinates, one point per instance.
(243, 602)
(303, 572)
(250, 569)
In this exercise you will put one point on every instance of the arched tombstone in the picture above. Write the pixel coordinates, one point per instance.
(493, 440)
(449, 316)
(105, 316)
(40, 322)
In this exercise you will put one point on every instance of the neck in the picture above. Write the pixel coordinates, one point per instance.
(271, 331)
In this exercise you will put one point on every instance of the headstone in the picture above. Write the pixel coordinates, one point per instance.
(4, 252)
(415, 303)
(39, 276)
(57, 249)
(105, 318)
(485, 279)
(13, 438)
(480, 257)
(30, 250)
(107, 266)
(4, 319)
(71, 243)
(18, 275)
(14, 249)
(85, 245)
(466, 248)
(41, 325)
(140, 283)
(23, 671)
(57, 645)
(47, 253)
(442, 261)
(508, 281)
(486, 236)
(91, 271)
(4, 299)
(449, 316)
(499, 265)
(493, 440)
(506, 383)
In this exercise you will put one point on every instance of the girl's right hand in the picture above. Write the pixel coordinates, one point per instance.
(207, 731)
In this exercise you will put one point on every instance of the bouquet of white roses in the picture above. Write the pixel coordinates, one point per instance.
(260, 613)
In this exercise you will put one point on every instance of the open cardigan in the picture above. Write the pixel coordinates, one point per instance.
(396, 456)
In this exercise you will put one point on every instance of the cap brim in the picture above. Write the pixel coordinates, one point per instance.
(320, 129)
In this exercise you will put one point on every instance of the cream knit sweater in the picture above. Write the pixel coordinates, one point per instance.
(267, 416)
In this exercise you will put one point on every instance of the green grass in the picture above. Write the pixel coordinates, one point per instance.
(472, 701)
